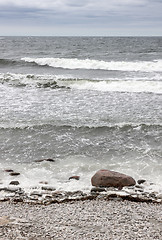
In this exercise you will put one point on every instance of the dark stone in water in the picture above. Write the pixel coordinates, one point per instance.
(14, 174)
(140, 181)
(74, 177)
(8, 170)
(48, 160)
(40, 160)
(14, 183)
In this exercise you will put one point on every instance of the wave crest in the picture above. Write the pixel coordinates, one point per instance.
(142, 66)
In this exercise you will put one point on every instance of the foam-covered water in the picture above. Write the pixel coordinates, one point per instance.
(111, 85)
(87, 103)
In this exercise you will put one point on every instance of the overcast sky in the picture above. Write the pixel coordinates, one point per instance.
(81, 17)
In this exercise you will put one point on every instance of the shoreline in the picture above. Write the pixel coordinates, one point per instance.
(89, 219)
(46, 194)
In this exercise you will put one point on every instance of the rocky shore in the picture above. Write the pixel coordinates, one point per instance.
(122, 209)
(115, 186)
(48, 195)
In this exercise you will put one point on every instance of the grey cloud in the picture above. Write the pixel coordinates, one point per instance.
(101, 13)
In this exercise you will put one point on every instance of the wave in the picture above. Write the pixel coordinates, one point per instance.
(119, 126)
(142, 66)
(116, 85)
(57, 81)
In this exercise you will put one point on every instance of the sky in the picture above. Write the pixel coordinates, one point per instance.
(81, 17)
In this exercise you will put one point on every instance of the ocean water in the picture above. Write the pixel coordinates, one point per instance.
(89, 103)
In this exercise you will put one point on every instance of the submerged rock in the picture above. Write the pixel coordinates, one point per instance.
(106, 178)
(74, 177)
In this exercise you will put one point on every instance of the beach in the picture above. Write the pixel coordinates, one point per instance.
(91, 219)
(71, 106)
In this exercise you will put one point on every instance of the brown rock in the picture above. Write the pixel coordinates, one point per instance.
(74, 177)
(106, 178)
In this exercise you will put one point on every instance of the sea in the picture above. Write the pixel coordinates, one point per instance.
(89, 103)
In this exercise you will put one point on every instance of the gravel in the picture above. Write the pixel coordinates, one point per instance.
(95, 219)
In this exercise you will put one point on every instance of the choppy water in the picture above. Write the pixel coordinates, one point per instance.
(87, 102)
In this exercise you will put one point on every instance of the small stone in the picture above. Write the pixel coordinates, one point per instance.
(74, 177)
(48, 188)
(35, 193)
(47, 160)
(138, 186)
(98, 189)
(14, 174)
(40, 160)
(8, 170)
(14, 183)
(140, 181)
(43, 182)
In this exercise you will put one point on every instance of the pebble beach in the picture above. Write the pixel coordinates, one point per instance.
(91, 219)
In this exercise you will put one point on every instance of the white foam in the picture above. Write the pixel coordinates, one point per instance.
(118, 86)
(74, 63)
(57, 174)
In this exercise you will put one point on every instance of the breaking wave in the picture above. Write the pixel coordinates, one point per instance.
(116, 85)
(142, 66)
(56, 81)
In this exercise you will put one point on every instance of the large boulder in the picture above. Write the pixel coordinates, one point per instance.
(106, 178)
